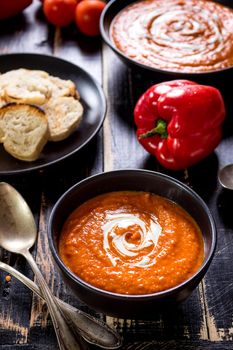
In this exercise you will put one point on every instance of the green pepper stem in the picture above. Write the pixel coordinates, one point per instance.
(161, 129)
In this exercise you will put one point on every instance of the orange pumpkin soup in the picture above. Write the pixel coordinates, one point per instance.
(131, 243)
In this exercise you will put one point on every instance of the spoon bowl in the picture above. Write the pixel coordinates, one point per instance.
(225, 177)
(17, 229)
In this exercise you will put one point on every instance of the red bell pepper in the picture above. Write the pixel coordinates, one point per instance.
(179, 122)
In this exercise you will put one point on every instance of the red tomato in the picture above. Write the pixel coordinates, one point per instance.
(59, 12)
(9, 8)
(87, 16)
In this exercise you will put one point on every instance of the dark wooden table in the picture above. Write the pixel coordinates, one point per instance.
(205, 320)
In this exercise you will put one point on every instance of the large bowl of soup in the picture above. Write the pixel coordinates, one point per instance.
(130, 242)
(178, 38)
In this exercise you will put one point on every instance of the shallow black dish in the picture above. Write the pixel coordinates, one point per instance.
(92, 98)
(133, 306)
(108, 14)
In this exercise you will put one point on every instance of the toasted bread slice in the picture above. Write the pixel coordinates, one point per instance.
(34, 86)
(64, 115)
(61, 87)
(26, 86)
(28, 90)
(25, 129)
(5, 78)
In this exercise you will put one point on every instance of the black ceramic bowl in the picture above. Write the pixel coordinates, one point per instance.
(133, 306)
(108, 14)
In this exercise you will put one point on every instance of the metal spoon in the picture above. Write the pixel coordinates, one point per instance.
(90, 328)
(225, 176)
(18, 234)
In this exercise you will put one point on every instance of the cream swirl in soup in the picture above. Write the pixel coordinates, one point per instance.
(120, 240)
(176, 35)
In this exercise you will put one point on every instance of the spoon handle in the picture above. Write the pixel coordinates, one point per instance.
(66, 338)
(90, 328)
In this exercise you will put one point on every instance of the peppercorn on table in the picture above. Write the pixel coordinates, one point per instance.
(204, 320)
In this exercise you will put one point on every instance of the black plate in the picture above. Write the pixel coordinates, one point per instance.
(92, 99)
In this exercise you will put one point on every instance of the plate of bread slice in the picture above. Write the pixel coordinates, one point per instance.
(49, 109)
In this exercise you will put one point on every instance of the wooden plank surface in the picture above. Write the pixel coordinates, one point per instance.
(204, 321)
